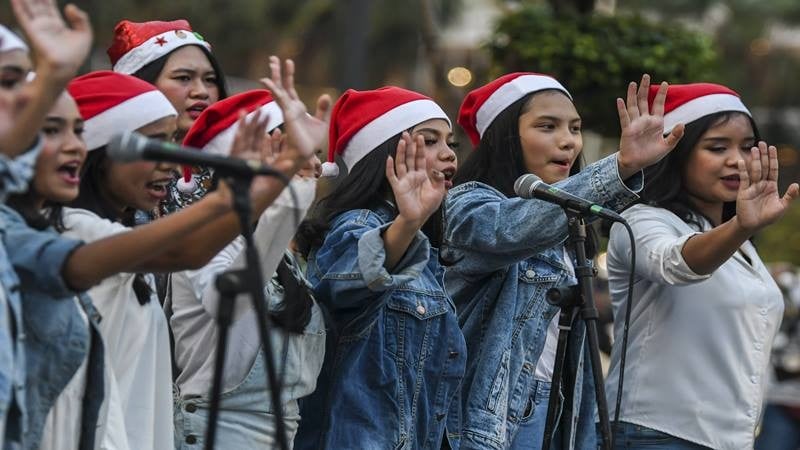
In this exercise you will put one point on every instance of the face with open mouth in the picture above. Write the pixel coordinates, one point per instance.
(189, 81)
(711, 173)
(550, 135)
(439, 148)
(57, 178)
(143, 185)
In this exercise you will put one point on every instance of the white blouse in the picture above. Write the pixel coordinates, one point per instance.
(699, 345)
(136, 339)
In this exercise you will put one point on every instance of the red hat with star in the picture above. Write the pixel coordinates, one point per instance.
(215, 128)
(137, 44)
(111, 103)
(688, 102)
(362, 120)
(482, 105)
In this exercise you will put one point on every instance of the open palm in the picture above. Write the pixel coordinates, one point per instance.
(55, 44)
(416, 195)
(642, 142)
(758, 202)
(305, 132)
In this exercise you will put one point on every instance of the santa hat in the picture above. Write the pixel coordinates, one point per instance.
(215, 128)
(111, 103)
(10, 41)
(362, 120)
(483, 105)
(688, 102)
(138, 44)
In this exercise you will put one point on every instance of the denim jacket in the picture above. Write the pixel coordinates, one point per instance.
(396, 355)
(505, 254)
(14, 177)
(56, 337)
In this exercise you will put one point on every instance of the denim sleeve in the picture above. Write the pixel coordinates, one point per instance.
(348, 269)
(486, 231)
(37, 256)
(659, 247)
(17, 172)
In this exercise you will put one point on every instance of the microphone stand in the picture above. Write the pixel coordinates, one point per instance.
(248, 280)
(569, 299)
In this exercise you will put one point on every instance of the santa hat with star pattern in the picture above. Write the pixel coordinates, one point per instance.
(137, 44)
(362, 120)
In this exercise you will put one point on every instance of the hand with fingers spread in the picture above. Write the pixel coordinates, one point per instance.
(59, 48)
(758, 202)
(416, 195)
(305, 132)
(642, 142)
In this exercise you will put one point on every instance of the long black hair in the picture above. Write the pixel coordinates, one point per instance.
(25, 204)
(666, 183)
(151, 71)
(91, 197)
(498, 160)
(364, 187)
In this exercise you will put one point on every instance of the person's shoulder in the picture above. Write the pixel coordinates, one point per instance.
(88, 225)
(474, 189)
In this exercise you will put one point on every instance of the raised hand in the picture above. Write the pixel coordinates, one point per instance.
(758, 202)
(642, 142)
(416, 195)
(59, 48)
(305, 132)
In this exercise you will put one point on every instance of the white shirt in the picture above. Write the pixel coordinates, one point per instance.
(195, 300)
(547, 360)
(699, 345)
(136, 340)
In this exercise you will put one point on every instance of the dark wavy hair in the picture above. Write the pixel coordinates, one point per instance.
(91, 198)
(364, 187)
(152, 70)
(498, 160)
(662, 190)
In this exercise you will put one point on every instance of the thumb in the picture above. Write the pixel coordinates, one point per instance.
(674, 136)
(791, 193)
(323, 111)
(77, 18)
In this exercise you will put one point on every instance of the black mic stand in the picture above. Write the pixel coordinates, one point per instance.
(569, 300)
(248, 280)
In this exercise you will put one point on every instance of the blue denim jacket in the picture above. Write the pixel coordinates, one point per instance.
(56, 338)
(505, 254)
(396, 354)
(14, 177)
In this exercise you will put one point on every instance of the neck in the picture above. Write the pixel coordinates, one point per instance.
(38, 201)
(712, 210)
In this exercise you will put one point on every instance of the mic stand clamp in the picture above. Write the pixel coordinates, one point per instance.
(248, 280)
(573, 301)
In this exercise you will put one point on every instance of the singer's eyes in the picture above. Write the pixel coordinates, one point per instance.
(454, 145)
(78, 131)
(51, 131)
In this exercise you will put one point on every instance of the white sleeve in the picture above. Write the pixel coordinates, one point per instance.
(87, 226)
(659, 245)
(276, 228)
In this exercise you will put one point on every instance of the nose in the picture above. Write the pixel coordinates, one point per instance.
(447, 154)
(74, 144)
(566, 139)
(199, 89)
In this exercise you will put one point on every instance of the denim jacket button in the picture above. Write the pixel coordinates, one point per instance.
(530, 273)
(191, 439)
(191, 407)
(420, 309)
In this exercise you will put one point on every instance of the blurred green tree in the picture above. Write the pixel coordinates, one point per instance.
(595, 56)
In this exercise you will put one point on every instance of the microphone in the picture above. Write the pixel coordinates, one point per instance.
(132, 146)
(531, 186)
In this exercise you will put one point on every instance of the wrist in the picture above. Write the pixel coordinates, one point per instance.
(408, 225)
(742, 231)
(625, 167)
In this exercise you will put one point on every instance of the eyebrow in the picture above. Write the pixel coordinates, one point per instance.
(558, 119)
(726, 139)
(59, 120)
(434, 131)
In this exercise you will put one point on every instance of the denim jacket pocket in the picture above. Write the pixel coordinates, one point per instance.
(409, 331)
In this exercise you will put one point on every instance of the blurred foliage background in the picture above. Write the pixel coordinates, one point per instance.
(447, 47)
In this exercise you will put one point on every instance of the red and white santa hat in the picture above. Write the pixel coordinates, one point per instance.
(362, 120)
(215, 128)
(10, 41)
(137, 44)
(688, 102)
(111, 103)
(481, 106)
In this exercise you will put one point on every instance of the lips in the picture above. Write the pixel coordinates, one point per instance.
(196, 109)
(70, 172)
(731, 181)
(449, 173)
